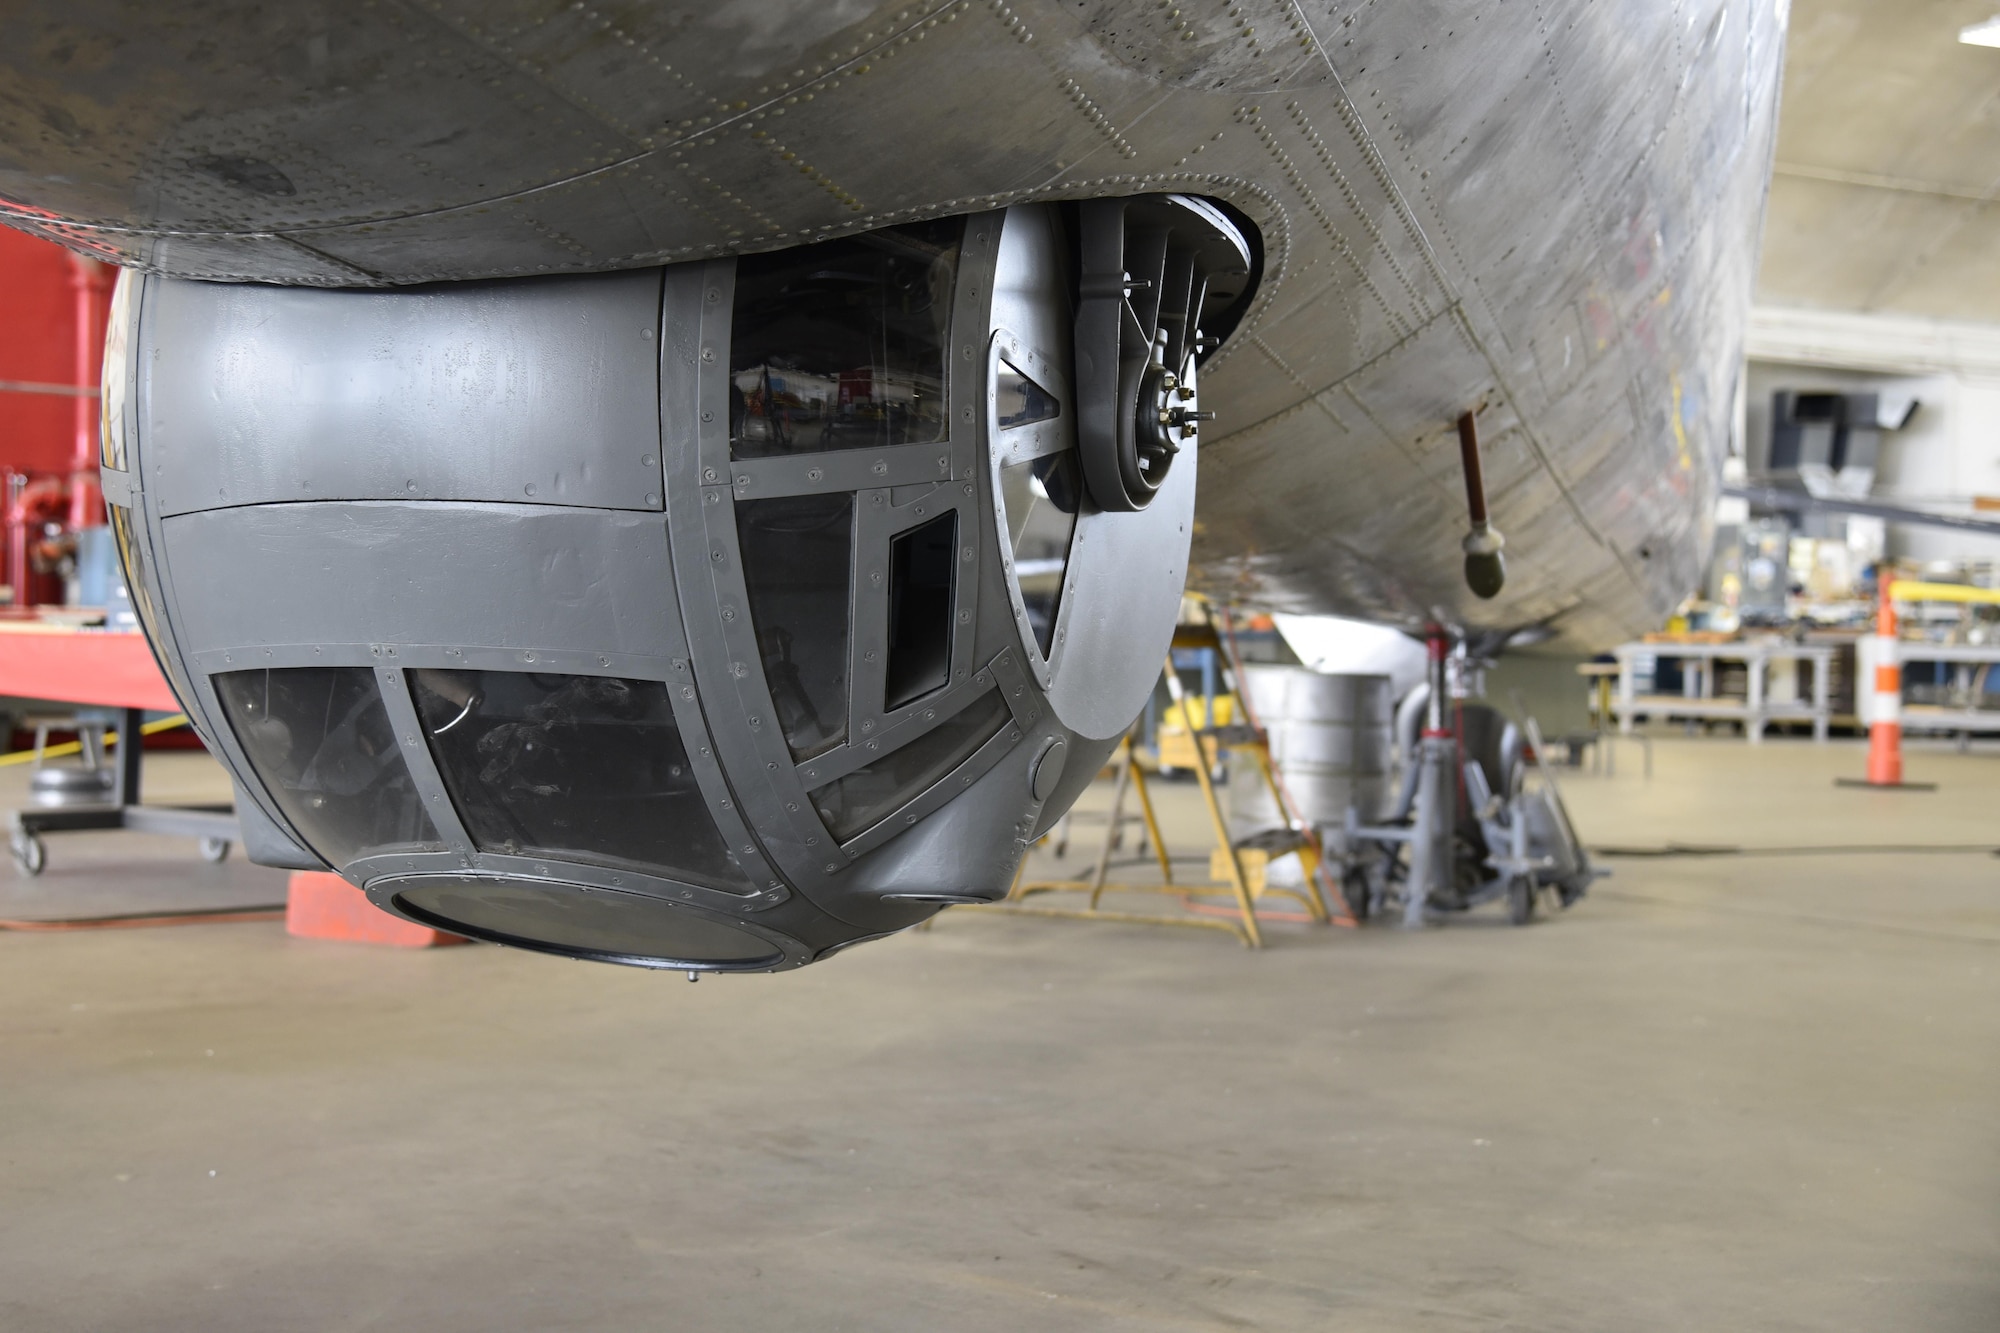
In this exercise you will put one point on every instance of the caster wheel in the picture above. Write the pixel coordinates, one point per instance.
(30, 853)
(215, 850)
(1521, 901)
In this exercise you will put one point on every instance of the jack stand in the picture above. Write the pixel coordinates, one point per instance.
(1431, 839)
(1436, 813)
(1522, 842)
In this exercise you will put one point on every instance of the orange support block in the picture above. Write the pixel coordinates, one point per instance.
(323, 906)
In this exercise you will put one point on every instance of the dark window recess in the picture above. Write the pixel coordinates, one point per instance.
(320, 741)
(1023, 402)
(841, 345)
(869, 795)
(922, 567)
(1041, 497)
(583, 768)
(132, 560)
(624, 927)
(796, 555)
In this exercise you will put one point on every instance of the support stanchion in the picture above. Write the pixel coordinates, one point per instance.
(1437, 792)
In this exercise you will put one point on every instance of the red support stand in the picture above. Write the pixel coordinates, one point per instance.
(323, 906)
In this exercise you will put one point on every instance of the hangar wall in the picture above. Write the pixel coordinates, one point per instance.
(37, 325)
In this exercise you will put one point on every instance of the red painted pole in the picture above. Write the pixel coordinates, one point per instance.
(90, 281)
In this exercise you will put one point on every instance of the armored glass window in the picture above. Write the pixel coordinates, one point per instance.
(868, 795)
(842, 345)
(1041, 497)
(796, 557)
(321, 743)
(584, 768)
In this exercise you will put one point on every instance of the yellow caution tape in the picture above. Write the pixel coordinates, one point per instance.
(110, 738)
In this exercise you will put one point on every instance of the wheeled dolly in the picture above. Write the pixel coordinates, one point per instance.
(214, 826)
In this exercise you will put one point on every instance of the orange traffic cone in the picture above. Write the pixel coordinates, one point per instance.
(1885, 713)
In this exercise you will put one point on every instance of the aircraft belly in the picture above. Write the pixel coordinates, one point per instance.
(1549, 214)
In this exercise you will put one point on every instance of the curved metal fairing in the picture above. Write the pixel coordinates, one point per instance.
(1548, 213)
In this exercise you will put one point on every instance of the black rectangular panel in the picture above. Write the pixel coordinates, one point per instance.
(922, 574)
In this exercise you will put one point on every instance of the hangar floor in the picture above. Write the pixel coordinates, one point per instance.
(1732, 1092)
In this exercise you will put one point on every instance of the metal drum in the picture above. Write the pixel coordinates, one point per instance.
(1330, 745)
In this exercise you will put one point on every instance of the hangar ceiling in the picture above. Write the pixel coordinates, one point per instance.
(1886, 193)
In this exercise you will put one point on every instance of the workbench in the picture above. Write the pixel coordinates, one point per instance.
(100, 669)
(1965, 658)
(1698, 699)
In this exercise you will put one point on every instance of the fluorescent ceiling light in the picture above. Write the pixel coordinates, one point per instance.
(1982, 34)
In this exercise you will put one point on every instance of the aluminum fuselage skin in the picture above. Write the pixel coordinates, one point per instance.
(1547, 213)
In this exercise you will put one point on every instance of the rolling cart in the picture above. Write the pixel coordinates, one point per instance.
(105, 669)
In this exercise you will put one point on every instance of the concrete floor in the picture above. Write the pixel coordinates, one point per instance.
(1729, 1093)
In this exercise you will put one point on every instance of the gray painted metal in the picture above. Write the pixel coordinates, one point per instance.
(1122, 592)
(1432, 823)
(265, 842)
(1547, 211)
(531, 392)
(506, 576)
(393, 581)
(1117, 617)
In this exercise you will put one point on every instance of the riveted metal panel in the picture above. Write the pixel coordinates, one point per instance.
(841, 470)
(541, 392)
(904, 726)
(1117, 616)
(167, 632)
(694, 370)
(934, 797)
(878, 521)
(527, 576)
(417, 757)
(715, 603)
